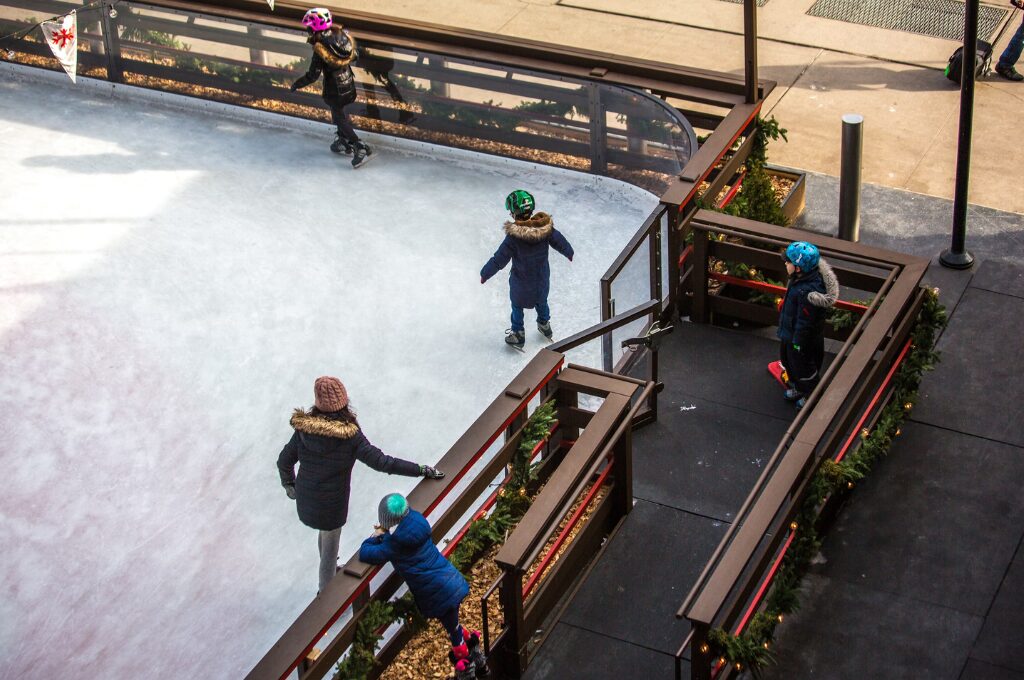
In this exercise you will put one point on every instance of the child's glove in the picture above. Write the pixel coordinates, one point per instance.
(483, 280)
(431, 473)
(289, 489)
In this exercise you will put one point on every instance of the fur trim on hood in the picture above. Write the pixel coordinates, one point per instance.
(333, 60)
(828, 299)
(306, 422)
(536, 228)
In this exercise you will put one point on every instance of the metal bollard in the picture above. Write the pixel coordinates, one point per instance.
(849, 177)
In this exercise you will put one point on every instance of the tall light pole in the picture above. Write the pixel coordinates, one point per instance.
(956, 256)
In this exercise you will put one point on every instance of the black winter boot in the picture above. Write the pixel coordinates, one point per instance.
(362, 154)
(340, 145)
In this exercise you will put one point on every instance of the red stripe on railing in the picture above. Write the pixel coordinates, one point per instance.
(734, 189)
(764, 585)
(493, 437)
(696, 185)
(573, 521)
(778, 290)
(451, 485)
(878, 395)
(493, 497)
(687, 251)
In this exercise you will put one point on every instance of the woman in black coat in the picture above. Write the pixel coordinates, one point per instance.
(326, 444)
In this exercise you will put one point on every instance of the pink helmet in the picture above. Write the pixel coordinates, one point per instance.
(317, 19)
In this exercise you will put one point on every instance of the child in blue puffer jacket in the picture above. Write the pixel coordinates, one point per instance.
(435, 584)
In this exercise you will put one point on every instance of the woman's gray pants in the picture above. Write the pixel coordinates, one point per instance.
(328, 543)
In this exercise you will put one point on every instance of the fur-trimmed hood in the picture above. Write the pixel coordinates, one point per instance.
(340, 40)
(536, 228)
(831, 294)
(308, 423)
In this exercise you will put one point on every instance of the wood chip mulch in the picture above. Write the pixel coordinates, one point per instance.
(425, 656)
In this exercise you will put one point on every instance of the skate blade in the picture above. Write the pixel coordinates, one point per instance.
(366, 160)
(521, 350)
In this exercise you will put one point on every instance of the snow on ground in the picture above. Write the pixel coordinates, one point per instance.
(172, 282)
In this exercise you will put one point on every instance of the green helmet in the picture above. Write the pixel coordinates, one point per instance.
(520, 203)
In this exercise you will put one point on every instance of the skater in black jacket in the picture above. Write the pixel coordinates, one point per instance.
(326, 444)
(801, 329)
(334, 50)
(526, 244)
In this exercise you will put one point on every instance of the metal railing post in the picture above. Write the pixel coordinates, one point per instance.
(607, 312)
(849, 177)
(598, 131)
(112, 46)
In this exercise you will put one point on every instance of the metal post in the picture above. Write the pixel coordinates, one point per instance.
(957, 257)
(112, 45)
(750, 49)
(849, 177)
(598, 131)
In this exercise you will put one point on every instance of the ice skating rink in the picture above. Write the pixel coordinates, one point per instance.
(172, 282)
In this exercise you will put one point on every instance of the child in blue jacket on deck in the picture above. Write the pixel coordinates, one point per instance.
(801, 329)
(435, 584)
(526, 244)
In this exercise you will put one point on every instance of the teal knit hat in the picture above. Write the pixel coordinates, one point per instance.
(392, 509)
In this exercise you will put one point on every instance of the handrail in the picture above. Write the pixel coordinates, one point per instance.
(730, 575)
(597, 330)
(320, 615)
(654, 219)
(766, 287)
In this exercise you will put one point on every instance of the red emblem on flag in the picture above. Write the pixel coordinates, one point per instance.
(62, 37)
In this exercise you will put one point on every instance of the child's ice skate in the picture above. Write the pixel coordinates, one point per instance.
(545, 330)
(340, 145)
(515, 339)
(464, 667)
(476, 652)
(362, 154)
(464, 670)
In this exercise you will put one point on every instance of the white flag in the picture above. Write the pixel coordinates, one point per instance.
(271, 3)
(62, 37)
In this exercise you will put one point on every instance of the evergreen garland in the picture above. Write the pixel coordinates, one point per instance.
(750, 649)
(484, 533)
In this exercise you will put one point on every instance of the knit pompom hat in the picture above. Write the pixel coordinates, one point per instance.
(392, 509)
(329, 394)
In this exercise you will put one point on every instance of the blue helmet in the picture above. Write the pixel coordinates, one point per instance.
(803, 255)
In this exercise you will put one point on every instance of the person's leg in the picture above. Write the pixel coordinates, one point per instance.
(328, 542)
(340, 119)
(1013, 50)
(543, 312)
(802, 372)
(450, 621)
(518, 319)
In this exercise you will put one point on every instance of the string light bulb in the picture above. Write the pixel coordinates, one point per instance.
(765, 645)
(908, 406)
(779, 617)
(849, 485)
(10, 54)
(865, 433)
(703, 648)
(793, 526)
(111, 12)
(739, 666)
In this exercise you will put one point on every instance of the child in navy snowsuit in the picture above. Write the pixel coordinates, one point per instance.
(802, 322)
(526, 243)
(435, 584)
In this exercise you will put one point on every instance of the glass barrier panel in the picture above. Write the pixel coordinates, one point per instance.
(31, 49)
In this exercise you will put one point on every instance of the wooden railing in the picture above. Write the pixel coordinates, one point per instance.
(735, 580)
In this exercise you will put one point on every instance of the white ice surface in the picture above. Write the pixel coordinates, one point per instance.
(171, 282)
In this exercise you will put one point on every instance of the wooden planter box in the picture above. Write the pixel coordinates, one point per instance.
(793, 204)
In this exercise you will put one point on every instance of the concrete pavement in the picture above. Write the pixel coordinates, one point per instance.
(824, 68)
